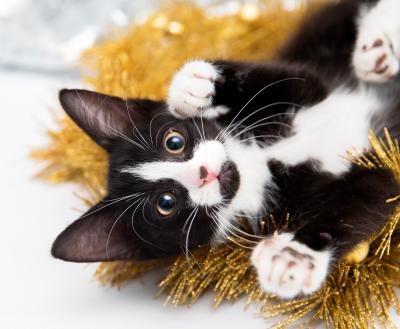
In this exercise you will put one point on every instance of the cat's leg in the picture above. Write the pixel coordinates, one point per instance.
(376, 57)
(331, 221)
(221, 89)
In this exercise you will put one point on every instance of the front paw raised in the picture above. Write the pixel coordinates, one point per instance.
(192, 90)
(289, 268)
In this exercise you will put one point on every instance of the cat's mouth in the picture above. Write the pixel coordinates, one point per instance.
(229, 180)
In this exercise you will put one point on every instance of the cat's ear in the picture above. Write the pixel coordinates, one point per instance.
(105, 118)
(95, 237)
(102, 117)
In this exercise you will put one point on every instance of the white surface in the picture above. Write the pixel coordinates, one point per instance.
(37, 291)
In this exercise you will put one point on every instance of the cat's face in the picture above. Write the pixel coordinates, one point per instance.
(167, 178)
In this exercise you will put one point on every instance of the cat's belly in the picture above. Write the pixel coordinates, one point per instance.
(326, 131)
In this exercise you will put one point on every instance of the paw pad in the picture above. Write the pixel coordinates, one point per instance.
(289, 268)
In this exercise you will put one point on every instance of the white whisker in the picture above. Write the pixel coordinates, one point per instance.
(260, 91)
(151, 123)
(113, 202)
(227, 237)
(159, 129)
(114, 224)
(143, 201)
(198, 130)
(135, 128)
(190, 222)
(227, 132)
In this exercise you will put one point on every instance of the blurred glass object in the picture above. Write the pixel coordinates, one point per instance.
(47, 36)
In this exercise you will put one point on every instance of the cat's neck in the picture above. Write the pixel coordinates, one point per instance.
(255, 177)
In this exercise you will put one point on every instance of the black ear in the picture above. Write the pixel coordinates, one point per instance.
(96, 236)
(105, 118)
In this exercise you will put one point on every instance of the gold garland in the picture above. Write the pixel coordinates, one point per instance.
(140, 63)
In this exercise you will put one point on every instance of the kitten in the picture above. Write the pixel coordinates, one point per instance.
(250, 139)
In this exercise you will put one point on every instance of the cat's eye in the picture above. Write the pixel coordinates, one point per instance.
(174, 142)
(166, 204)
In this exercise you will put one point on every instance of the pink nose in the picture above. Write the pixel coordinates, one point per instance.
(206, 175)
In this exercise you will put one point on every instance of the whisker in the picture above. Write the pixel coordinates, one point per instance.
(124, 197)
(259, 136)
(110, 204)
(143, 201)
(227, 132)
(159, 129)
(144, 216)
(198, 129)
(227, 237)
(186, 250)
(134, 126)
(187, 219)
(259, 124)
(150, 125)
(240, 231)
(202, 126)
(190, 227)
(114, 224)
(260, 91)
(224, 226)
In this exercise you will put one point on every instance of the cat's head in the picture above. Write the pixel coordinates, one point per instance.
(166, 178)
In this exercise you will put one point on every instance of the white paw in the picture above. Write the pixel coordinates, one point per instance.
(288, 268)
(192, 90)
(375, 58)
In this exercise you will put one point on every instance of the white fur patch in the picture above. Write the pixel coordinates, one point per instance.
(210, 154)
(288, 268)
(326, 131)
(251, 163)
(250, 199)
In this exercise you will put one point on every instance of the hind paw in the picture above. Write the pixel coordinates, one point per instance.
(289, 268)
(374, 58)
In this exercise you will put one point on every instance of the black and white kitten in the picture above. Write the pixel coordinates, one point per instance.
(250, 139)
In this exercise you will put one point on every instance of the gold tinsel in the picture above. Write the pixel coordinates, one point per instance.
(140, 63)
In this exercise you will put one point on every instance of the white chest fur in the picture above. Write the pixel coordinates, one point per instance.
(251, 164)
(325, 132)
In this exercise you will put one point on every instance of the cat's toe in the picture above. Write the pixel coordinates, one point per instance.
(192, 89)
(288, 268)
(374, 58)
